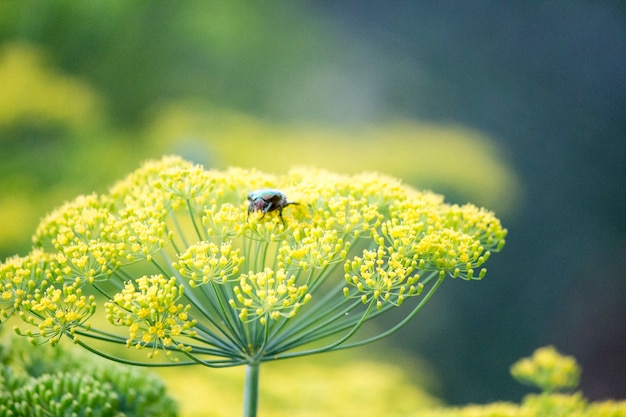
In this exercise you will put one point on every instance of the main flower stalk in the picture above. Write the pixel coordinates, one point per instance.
(179, 264)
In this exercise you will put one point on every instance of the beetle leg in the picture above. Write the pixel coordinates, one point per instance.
(280, 214)
(268, 208)
(250, 209)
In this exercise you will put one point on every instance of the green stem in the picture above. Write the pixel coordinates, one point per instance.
(179, 229)
(399, 325)
(318, 329)
(251, 390)
(193, 219)
(333, 345)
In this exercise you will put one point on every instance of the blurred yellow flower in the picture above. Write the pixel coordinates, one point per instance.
(35, 94)
(548, 369)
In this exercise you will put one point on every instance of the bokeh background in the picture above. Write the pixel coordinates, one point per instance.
(517, 106)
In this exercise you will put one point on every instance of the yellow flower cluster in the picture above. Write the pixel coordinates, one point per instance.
(451, 251)
(83, 219)
(186, 184)
(347, 215)
(268, 294)
(83, 233)
(57, 312)
(22, 278)
(222, 278)
(312, 247)
(205, 262)
(548, 370)
(143, 233)
(152, 313)
(382, 276)
(223, 222)
(422, 236)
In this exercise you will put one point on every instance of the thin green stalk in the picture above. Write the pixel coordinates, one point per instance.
(262, 248)
(179, 229)
(225, 363)
(111, 338)
(316, 330)
(97, 334)
(323, 274)
(251, 390)
(234, 340)
(190, 294)
(128, 361)
(311, 314)
(333, 345)
(228, 315)
(193, 220)
(169, 232)
(400, 325)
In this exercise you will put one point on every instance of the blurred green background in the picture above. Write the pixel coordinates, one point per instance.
(517, 106)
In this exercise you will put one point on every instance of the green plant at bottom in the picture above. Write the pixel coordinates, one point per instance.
(54, 382)
(238, 267)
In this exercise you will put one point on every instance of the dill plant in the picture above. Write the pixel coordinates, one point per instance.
(171, 264)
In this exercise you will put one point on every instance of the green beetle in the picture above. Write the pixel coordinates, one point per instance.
(266, 200)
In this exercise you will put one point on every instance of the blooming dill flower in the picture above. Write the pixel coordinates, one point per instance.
(270, 295)
(56, 312)
(22, 279)
(205, 262)
(174, 259)
(548, 370)
(151, 313)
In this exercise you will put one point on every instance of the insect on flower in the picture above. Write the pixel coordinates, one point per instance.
(267, 200)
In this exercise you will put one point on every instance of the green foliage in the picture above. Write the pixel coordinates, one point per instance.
(139, 53)
(52, 382)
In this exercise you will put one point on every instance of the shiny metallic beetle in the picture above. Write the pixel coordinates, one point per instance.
(266, 200)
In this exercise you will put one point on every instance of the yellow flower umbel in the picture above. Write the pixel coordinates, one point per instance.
(548, 370)
(184, 263)
(151, 313)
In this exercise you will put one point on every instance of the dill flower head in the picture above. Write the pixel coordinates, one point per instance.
(239, 266)
(548, 370)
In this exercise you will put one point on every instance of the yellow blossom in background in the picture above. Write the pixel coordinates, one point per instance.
(32, 92)
(548, 370)
(454, 158)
